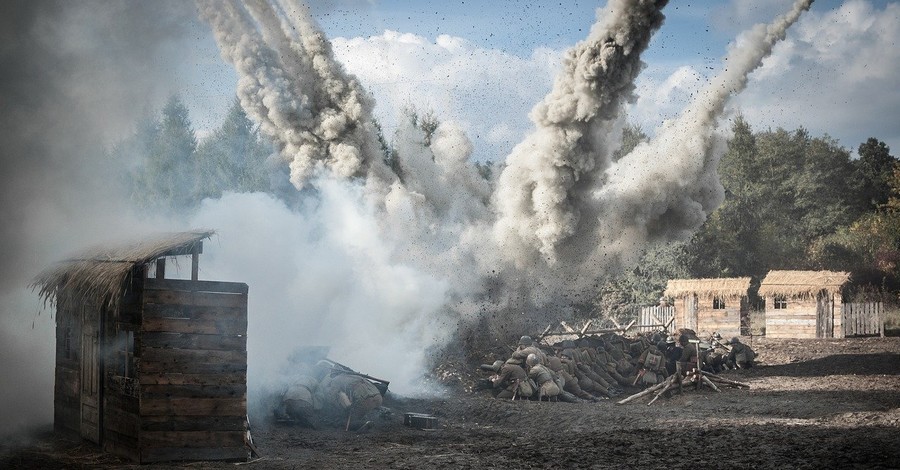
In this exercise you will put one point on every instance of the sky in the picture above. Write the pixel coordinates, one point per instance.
(484, 64)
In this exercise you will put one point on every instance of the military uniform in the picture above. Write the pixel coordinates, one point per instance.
(344, 394)
(512, 381)
(543, 377)
(741, 355)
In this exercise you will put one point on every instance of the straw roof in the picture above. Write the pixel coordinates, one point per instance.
(99, 275)
(802, 283)
(724, 287)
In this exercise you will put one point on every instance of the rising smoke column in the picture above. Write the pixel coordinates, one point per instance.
(319, 117)
(665, 189)
(537, 197)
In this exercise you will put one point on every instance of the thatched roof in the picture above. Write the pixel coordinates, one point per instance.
(99, 275)
(802, 283)
(724, 287)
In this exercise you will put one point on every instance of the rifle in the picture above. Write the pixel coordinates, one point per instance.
(380, 384)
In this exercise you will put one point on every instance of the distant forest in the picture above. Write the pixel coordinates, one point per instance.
(792, 201)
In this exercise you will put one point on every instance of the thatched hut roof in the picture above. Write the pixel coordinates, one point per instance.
(723, 287)
(99, 275)
(802, 283)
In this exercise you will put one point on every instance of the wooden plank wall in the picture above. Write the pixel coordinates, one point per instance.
(67, 375)
(798, 320)
(727, 321)
(655, 315)
(193, 371)
(121, 421)
(862, 319)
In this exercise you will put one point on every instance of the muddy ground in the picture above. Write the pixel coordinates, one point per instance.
(812, 404)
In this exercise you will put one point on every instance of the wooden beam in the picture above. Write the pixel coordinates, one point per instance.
(195, 262)
(161, 268)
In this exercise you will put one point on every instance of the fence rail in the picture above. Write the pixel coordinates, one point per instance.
(862, 319)
(656, 317)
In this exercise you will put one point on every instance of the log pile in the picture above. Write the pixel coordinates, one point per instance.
(679, 380)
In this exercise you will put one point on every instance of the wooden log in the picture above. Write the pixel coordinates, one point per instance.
(711, 385)
(665, 389)
(644, 393)
(721, 379)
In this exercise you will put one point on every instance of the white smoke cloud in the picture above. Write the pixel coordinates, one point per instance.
(538, 193)
(325, 277)
(455, 79)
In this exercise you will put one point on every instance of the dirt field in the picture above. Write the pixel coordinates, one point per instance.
(812, 404)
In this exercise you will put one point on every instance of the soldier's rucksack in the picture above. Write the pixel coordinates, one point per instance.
(653, 361)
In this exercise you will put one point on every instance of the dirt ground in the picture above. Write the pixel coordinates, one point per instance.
(812, 404)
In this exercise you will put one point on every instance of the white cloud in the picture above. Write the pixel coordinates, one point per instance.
(836, 73)
(487, 91)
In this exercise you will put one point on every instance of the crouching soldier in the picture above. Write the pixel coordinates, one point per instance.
(299, 402)
(511, 382)
(345, 394)
(741, 356)
(547, 386)
(652, 367)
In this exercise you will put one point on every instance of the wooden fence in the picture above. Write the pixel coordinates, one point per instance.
(863, 319)
(656, 317)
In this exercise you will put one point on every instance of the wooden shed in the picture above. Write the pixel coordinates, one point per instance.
(150, 368)
(711, 305)
(803, 304)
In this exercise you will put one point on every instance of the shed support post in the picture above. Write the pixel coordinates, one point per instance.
(195, 263)
(161, 268)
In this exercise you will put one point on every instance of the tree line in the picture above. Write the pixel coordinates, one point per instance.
(792, 201)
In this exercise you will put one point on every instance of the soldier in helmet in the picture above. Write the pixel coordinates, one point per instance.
(741, 356)
(543, 377)
(526, 347)
(570, 382)
(511, 381)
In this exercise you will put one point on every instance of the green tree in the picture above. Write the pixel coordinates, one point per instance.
(632, 135)
(232, 158)
(873, 170)
(166, 173)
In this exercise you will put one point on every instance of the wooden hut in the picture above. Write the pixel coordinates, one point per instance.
(711, 305)
(803, 304)
(150, 368)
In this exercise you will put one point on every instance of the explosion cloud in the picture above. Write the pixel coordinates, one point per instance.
(562, 211)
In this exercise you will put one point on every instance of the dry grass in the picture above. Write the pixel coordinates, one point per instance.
(98, 276)
(725, 287)
(802, 283)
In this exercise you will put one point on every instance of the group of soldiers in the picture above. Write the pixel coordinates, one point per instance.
(330, 393)
(593, 368)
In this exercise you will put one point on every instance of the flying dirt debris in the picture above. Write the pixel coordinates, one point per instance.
(595, 367)
(321, 392)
